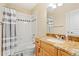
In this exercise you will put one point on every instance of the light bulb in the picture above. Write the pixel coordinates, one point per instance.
(60, 4)
(52, 5)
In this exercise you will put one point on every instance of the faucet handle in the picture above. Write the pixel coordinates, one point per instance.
(57, 37)
(62, 37)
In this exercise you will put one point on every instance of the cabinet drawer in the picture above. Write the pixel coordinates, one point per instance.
(73, 38)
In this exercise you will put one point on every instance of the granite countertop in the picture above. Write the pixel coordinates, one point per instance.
(70, 46)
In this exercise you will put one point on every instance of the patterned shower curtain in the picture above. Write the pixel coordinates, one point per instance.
(9, 31)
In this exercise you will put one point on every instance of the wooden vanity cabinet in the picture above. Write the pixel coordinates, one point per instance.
(38, 50)
(46, 49)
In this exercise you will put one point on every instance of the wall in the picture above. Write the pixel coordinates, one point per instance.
(60, 16)
(18, 8)
(41, 12)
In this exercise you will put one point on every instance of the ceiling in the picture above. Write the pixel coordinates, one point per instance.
(28, 6)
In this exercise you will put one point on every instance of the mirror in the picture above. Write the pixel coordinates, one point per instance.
(63, 18)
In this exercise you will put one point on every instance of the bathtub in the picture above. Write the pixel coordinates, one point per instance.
(29, 51)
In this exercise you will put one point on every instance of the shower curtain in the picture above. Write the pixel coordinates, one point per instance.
(25, 31)
(9, 31)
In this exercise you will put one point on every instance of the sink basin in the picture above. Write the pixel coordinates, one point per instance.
(56, 40)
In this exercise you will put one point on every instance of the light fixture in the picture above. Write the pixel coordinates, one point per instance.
(54, 5)
(50, 5)
(60, 4)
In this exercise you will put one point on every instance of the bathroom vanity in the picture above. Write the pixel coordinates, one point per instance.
(51, 46)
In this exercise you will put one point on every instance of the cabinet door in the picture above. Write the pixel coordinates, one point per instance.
(59, 53)
(45, 53)
(36, 50)
(63, 53)
(49, 48)
(37, 47)
(40, 52)
(45, 46)
(52, 50)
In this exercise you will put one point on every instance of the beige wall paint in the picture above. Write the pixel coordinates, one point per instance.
(18, 8)
(60, 18)
(2, 4)
(41, 12)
